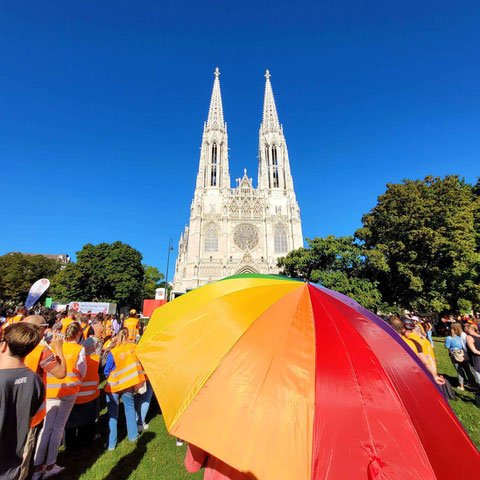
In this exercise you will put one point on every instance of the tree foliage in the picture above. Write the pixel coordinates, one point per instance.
(422, 244)
(151, 281)
(18, 272)
(103, 272)
(336, 263)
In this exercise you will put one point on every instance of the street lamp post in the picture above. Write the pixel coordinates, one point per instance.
(170, 249)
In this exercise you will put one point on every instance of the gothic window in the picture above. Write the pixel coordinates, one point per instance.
(211, 238)
(257, 210)
(213, 178)
(246, 209)
(280, 239)
(268, 167)
(234, 209)
(275, 167)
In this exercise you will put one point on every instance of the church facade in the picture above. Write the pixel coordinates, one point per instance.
(241, 229)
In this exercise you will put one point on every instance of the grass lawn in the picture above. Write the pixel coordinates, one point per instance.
(465, 408)
(155, 455)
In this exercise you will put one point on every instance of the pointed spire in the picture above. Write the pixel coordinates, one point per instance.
(270, 116)
(215, 113)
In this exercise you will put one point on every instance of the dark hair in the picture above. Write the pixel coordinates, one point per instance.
(21, 338)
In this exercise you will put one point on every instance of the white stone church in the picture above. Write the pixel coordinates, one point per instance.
(242, 229)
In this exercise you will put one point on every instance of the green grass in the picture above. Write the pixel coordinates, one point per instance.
(465, 408)
(155, 455)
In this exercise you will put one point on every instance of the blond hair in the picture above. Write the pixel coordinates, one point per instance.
(456, 329)
(72, 331)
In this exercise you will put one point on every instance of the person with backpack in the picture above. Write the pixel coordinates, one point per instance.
(457, 348)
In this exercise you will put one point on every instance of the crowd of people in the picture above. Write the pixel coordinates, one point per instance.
(52, 365)
(462, 342)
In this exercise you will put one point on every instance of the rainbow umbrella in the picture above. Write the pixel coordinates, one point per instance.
(289, 381)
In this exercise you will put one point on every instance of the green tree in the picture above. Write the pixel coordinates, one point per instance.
(103, 272)
(421, 242)
(336, 263)
(151, 281)
(18, 272)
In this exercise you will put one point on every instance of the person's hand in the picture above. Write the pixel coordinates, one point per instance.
(56, 343)
(439, 380)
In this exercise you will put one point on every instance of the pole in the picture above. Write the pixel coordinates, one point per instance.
(170, 248)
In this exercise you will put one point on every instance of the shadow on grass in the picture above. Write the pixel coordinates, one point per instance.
(129, 463)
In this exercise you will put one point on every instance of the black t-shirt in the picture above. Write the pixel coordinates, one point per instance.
(21, 394)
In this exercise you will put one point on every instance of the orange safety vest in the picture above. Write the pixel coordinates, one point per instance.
(128, 370)
(108, 328)
(107, 344)
(89, 390)
(71, 383)
(86, 330)
(133, 330)
(11, 321)
(65, 323)
(32, 361)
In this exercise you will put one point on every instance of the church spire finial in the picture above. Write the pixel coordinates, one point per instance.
(215, 113)
(270, 116)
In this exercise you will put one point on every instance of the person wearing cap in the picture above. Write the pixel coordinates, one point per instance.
(80, 427)
(41, 360)
(405, 330)
(132, 324)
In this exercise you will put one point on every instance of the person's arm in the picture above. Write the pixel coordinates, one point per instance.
(471, 345)
(109, 365)
(448, 342)
(82, 363)
(195, 458)
(430, 339)
(60, 369)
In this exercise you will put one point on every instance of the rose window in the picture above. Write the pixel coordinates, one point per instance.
(245, 236)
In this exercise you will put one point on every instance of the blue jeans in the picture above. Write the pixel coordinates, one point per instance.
(113, 401)
(142, 404)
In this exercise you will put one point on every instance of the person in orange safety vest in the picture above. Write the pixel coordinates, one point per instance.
(41, 360)
(125, 377)
(132, 324)
(80, 428)
(61, 396)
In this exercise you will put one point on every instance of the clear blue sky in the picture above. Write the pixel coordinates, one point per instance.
(102, 106)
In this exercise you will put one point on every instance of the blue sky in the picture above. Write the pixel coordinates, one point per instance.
(103, 103)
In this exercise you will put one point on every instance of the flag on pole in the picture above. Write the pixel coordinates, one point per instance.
(36, 291)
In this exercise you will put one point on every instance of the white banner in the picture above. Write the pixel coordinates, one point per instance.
(93, 307)
(36, 291)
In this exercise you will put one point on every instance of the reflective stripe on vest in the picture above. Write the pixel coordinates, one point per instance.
(72, 381)
(132, 325)
(128, 370)
(89, 389)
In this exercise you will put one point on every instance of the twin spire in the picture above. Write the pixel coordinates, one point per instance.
(215, 112)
